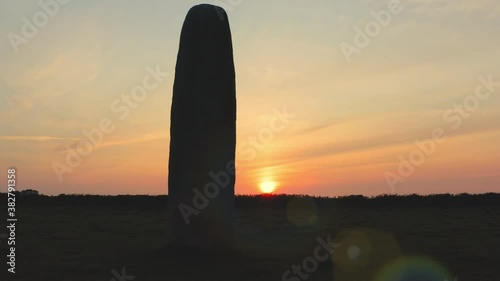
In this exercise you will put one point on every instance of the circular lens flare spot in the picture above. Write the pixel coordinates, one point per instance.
(353, 252)
(414, 268)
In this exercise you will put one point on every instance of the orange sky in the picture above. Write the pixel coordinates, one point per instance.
(353, 120)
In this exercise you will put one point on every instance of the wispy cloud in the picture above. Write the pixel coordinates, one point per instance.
(31, 84)
(145, 138)
(113, 143)
(34, 138)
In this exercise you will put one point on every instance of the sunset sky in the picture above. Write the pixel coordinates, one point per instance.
(352, 122)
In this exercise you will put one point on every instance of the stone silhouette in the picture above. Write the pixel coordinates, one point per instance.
(203, 133)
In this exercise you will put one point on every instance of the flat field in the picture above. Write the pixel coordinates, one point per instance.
(123, 238)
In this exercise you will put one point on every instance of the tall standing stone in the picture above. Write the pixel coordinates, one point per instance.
(203, 133)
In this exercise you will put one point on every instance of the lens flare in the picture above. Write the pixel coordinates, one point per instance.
(414, 268)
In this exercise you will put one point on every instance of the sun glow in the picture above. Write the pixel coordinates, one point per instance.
(267, 186)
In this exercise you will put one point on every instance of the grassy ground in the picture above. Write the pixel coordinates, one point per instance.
(81, 243)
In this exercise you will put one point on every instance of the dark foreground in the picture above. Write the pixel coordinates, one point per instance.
(389, 239)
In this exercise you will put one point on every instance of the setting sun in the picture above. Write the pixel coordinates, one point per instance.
(267, 187)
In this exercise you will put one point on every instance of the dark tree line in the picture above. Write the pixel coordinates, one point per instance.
(267, 201)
